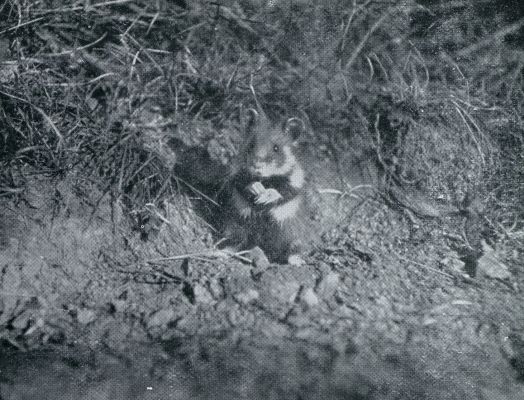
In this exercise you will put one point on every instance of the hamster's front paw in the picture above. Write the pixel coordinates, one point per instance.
(268, 196)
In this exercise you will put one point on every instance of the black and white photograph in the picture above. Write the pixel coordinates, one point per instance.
(261, 199)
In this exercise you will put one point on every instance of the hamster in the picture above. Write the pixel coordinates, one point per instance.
(267, 189)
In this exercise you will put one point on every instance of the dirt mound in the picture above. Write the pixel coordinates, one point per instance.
(116, 118)
(378, 311)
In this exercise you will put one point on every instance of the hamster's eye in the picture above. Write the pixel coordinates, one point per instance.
(276, 148)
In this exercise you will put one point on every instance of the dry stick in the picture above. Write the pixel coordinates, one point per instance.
(423, 266)
(496, 36)
(382, 68)
(20, 60)
(371, 69)
(514, 78)
(345, 193)
(94, 80)
(152, 22)
(354, 12)
(362, 43)
(69, 52)
(3, 6)
(7, 191)
(43, 114)
(122, 167)
(88, 7)
(460, 111)
(346, 28)
(422, 62)
(200, 256)
(19, 25)
(134, 21)
(151, 158)
(252, 89)
(197, 191)
(144, 50)
(152, 208)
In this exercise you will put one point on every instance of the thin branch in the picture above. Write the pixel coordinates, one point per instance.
(362, 43)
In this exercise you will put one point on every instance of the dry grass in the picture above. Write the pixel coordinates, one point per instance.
(118, 90)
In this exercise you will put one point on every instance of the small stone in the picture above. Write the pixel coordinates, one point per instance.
(223, 306)
(284, 291)
(85, 316)
(22, 321)
(215, 288)
(306, 333)
(234, 316)
(490, 266)
(161, 318)
(429, 321)
(247, 297)
(119, 305)
(345, 312)
(328, 285)
(202, 295)
(275, 329)
(298, 320)
(309, 298)
(295, 260)
(259, 258)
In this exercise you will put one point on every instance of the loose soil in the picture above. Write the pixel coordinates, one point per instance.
(94, 307)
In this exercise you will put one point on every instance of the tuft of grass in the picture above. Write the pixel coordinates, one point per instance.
(124, 93)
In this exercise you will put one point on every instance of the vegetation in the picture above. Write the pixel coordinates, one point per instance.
(120, 121)
(125, 93)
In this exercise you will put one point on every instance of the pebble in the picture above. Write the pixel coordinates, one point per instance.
(85, 316)
(202, 295)
(247, 297)
(328, 285)
(161, 318)
(309, 298)
(259, 258)
(490, 266)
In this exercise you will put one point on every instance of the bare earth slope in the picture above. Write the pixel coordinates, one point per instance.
(381, 310)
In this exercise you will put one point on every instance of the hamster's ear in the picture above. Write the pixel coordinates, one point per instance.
(249, 118)
(295, 128)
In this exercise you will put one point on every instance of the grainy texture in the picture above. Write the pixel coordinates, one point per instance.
(120, 127)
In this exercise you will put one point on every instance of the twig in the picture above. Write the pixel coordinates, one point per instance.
(43, 114)
(204, 256)
(463, 115)
(152, 208)
(345, 193)
(94, 80)
(354, 11)
(362, 43)
(19, 25)
(69, 52)
(424, 266)
(86, 8)
(197, 191)
(496, 36)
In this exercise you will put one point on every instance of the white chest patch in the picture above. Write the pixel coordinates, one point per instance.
(287, 210)
(296, 179)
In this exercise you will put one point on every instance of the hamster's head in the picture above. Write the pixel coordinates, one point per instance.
(269, 148)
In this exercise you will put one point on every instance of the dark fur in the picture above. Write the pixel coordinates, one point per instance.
(277, 239)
